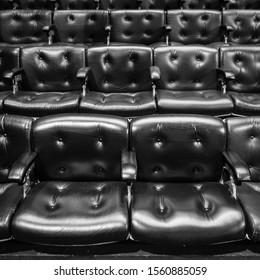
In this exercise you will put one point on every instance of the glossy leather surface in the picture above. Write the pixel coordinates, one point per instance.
(243, 4)
(118, 4)
(87, 26)
(184, 148)
(202, 4)
(175, 213)
(137, 26)
(24, 26)
(160, 4)
(121, 104)
(207, 102)
(73, 213)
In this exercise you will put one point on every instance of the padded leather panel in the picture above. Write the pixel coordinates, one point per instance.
(52, 68)
(38, 104)
(9, 60)
(118, 4)
(185, 213)
(119, 68)
(244, 139)
(73, 213)
(137, 26)
(249, 196)
(245, 24)
(207, 102)
(79, 147)
(202, 4)
(194, 26)
(121, 104)
(10, 196)
(77, 26)
(243, 4)
(14, 141)
(76, 4)
(186, 68)
(24, 26)
(184, 148)
(3, 96)
(160, 4)
(244, 62)
(33, 4)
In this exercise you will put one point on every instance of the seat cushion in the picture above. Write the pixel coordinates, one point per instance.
(3, 96)
(249, 197)
(73, 213)
(10, 196)
(122, 104)
(247, 104)
(183, 213)
(37, 104)
(207, 102)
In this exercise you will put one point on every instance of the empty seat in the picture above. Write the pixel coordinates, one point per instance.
(189, 81)
(202, 4)
(19, 27)
(241, 78)
(178, 197)
(160, 4)
(117, 4)
(242, 4)
(49, 84)
(14, 159)
(118, 81)
(243, 151)
(81, 198)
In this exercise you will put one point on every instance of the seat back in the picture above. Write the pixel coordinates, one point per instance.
(32, 4)
(160, 4)
(194, 26)
(244, 62)
(86, 26)
(245, 24)
(52, 68)
(138, 26)
(202, 4)
(118, 4)
(187, 68)
(9, 60)
(243, 4)
(75, 4)
(119, 68)
(184, 148)
(24, 26)
(79, 147)
(14, 141)
(244, 139)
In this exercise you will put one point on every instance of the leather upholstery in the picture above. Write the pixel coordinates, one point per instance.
(202, 4)
(245, 24)
(32, 4)
(24, 26)
(79, 147)
(243, 4)
(187, 213)
(122, 104)
(76, 4)
(178, 148)
(137, 26)
(118, 4)
(194, 26)
(160, 4)
(73, 213)
(75, 27)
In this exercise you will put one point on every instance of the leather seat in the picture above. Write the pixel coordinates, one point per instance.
(242, 4)
(31, 4)
(75, 5)
(202, 4)
(117, 4)
(160, 4)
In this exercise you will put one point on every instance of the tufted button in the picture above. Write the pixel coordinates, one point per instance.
(156, 170)
(205, 17)
(133, 81)
(254, 37)
(158, 140)
(60, 140)
(100, 140)
(196, 81)
(4, 135)
(71, 18)
(127, 18)
(40, 58)
(257, 19)
(29, 99)
(198, 140)
(65, 57)
(183, 18)
(252, 137)
(196, 170)
(172, 82)
(101, 169)
(41, 81)
(62, 169)
(250, 166)
(92, 17)
(106, 81)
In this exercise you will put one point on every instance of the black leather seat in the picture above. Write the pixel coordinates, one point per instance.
(178, 197)
(75, 5)
(160, 4)
(117, 4)
(243, 151)
(119, 81)
(30, 4)
(81, 198)
(189, 82)
(202, 4)
(49, 81)
(14, 156)
(242, 4)
(240, 66)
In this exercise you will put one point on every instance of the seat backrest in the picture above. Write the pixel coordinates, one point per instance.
(245, 24)
(185, 68)
(118, 4)
(9, 60)
(244, 62)
(160, 4)
(138, 26)
(75, 4)
(202, 4)
(184, 148)
(32, 4)
(86, 26)
(52, 68)
(119, 68)
(243, 4)
(24, 26)
(194, 26)
(79, 147)
(14, 141)
(244, 139)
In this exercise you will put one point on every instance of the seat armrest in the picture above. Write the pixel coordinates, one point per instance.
(225, 74)
(21, 166)
(48, 28)
(155, 73)
(108, 28)
(238, 167)
(168, 29)
(129, 166)
(10, 75)
(83, 73)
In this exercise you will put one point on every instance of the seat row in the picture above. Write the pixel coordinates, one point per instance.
(171, 179)
(148, 27)
(130, 80)
(129, 4)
